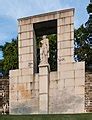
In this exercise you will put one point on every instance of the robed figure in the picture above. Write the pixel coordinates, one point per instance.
(44, 50)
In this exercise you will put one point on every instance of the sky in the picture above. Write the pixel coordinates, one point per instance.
(11, 10)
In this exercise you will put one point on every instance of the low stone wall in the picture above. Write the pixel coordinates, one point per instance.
(88, 92)
(23, 92)
(4, 96)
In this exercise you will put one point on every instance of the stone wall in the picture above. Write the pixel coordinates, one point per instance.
(88, 92)
(62, 91)
(4, 96)
(67, 93)
(23, 92)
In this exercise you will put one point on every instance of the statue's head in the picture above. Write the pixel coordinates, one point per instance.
(44, 36)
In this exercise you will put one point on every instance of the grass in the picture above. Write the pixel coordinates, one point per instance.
(86, 116)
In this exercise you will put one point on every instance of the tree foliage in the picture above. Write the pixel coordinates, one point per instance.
(10, 55)
(53, 51)
(89, 8)
(83, 40)
(82, 48)
(1, 66)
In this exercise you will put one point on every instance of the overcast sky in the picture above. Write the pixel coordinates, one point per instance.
(11, 10)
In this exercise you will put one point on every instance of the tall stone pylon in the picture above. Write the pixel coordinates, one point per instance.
(44, 77)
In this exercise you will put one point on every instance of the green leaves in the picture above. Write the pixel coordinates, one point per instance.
(83, 51)
(89, 8)
(10, 54)
(53, 51)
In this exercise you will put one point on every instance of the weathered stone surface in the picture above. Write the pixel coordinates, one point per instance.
(26, 57)
(69, 82)
(64, 44)
(43, 103)
(67, 14)
(53, 76)
(79, 81)
(15, 73)
(25, 65)
(79, 65)
(43, 84)
(24, 50)
(24, 22)
(26, 72)
(67, 67)
(25, 28)
(80, 73)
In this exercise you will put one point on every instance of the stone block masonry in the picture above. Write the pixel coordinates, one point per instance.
(61, 91)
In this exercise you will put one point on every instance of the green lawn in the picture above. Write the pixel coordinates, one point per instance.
(48, 117)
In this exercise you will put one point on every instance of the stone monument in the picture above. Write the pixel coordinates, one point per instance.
(48, 92)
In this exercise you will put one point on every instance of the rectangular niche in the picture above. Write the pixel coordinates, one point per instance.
(48, 28)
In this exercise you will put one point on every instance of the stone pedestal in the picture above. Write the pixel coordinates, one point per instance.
(44, 88)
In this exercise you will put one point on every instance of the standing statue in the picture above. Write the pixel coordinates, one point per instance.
(4, 108)
(44, 50)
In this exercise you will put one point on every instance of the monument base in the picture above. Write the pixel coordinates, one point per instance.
(44, 88)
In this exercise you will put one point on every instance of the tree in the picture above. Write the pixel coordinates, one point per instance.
(89, 7)
(1, 63)
(10, 55)
(82, 48)
(53, 51)
(1, 68)
(83, 40)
